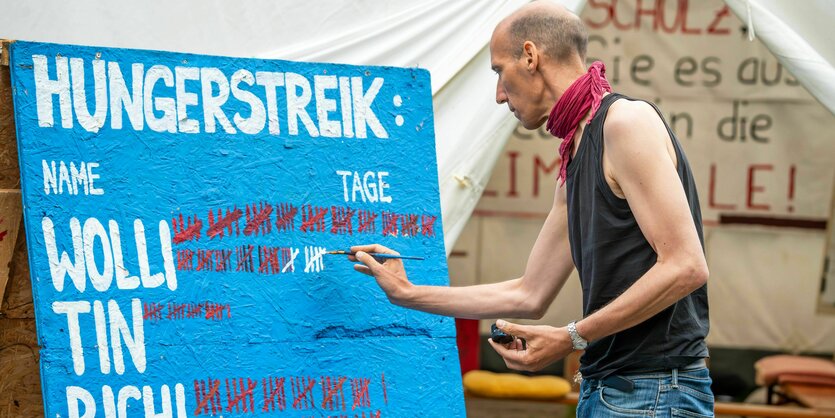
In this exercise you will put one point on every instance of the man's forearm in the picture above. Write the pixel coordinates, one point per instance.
(661, 286)
(503, 299)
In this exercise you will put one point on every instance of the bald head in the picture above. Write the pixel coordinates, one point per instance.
(553, 28)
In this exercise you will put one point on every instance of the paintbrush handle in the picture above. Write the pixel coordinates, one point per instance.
(403, 257)
(380, 255)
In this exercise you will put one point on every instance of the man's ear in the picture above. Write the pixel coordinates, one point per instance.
(530, 53)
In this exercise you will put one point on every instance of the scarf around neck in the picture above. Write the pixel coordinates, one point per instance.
(581, 98)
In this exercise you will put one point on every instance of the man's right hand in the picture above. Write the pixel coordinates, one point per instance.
(390, 274)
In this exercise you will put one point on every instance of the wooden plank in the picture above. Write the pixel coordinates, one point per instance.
(9, 168)
(4, 52)
(10, 217)
(20, 382)
(814, 396)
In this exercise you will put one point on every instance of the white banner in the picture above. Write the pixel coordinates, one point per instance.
(761, 149)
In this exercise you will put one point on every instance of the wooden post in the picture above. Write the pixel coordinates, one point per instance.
(20, 382)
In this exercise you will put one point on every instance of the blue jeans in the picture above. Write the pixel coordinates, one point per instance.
(660, 395)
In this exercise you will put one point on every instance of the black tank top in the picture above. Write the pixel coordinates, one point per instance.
(611, 253)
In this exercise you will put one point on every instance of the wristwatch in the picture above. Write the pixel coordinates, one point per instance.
(577, 341)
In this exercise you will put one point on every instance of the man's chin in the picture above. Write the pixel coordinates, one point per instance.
(532, 125)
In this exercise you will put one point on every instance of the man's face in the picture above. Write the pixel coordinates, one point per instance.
(517, 85)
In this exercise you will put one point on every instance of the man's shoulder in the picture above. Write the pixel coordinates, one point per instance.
(632, 122)
(627, 112)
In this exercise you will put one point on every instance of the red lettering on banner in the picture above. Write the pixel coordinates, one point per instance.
(547, 169)
(657, 12)
(512, 155)
(711, 197)
(752, 188)
(792, 175)
(713, 27)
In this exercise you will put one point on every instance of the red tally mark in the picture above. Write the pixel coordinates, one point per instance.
(383, 383)
(152, 311)
(205, 260)
(215, 311)
(341, 220)
(409, 225)
(244, 258)
(273, 394)
(366, 222)
(302, 388)
(239, 396)
(268, 260)
(186, 231)
(427, 225)
(285, 217)
(332, 395)
(227, 223)
(390, 223)
(207, 394)
(313, 218)
(258, 219)
(222, 260)
(177, 311)
(359, 389)
(185, 260)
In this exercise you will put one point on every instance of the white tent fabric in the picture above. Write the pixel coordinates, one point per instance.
(800, 35)
(449, 38)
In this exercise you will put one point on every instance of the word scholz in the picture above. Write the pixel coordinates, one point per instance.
(197, 99)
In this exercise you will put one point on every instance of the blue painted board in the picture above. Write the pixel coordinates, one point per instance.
(177, 207)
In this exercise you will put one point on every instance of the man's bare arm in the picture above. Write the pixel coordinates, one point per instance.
(636, 152)
(548, 267)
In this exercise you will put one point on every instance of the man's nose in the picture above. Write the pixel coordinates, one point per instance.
(501, 96)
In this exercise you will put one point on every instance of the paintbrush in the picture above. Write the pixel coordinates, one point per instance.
(377, 255)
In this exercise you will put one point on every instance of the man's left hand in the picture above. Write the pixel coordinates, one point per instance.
(544, 345)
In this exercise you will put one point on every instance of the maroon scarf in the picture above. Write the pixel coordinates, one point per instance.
(583, 95)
